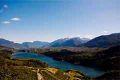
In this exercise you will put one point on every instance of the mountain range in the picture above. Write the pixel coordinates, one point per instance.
(34, 44)
(100, 41)
(11, 44)
(68, 42)
(104, 41)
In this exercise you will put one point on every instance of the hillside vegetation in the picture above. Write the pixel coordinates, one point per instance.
(106, 59)
(28, 69)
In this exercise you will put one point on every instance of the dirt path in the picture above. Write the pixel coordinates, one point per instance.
(39, 75)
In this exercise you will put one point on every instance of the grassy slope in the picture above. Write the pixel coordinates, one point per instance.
(26, 69)
(15, 69)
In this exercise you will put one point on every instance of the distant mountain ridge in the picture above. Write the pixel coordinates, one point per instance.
(10, 44)
(101, 41)
(65, 42)
(104, 41)
(68, 42)
(34, 44)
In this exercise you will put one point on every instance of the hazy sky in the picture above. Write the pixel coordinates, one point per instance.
(48, 20)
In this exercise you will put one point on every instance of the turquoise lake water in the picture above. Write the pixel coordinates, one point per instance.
(91, 72)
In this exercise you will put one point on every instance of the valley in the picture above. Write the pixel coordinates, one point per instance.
(59, 39)
(20, 69)
(95, 62)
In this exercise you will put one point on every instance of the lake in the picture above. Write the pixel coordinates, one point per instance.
(91, 72)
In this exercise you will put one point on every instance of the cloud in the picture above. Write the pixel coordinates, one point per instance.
(11, 20)
(6, 22)
(15, 19)
(4, 7)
